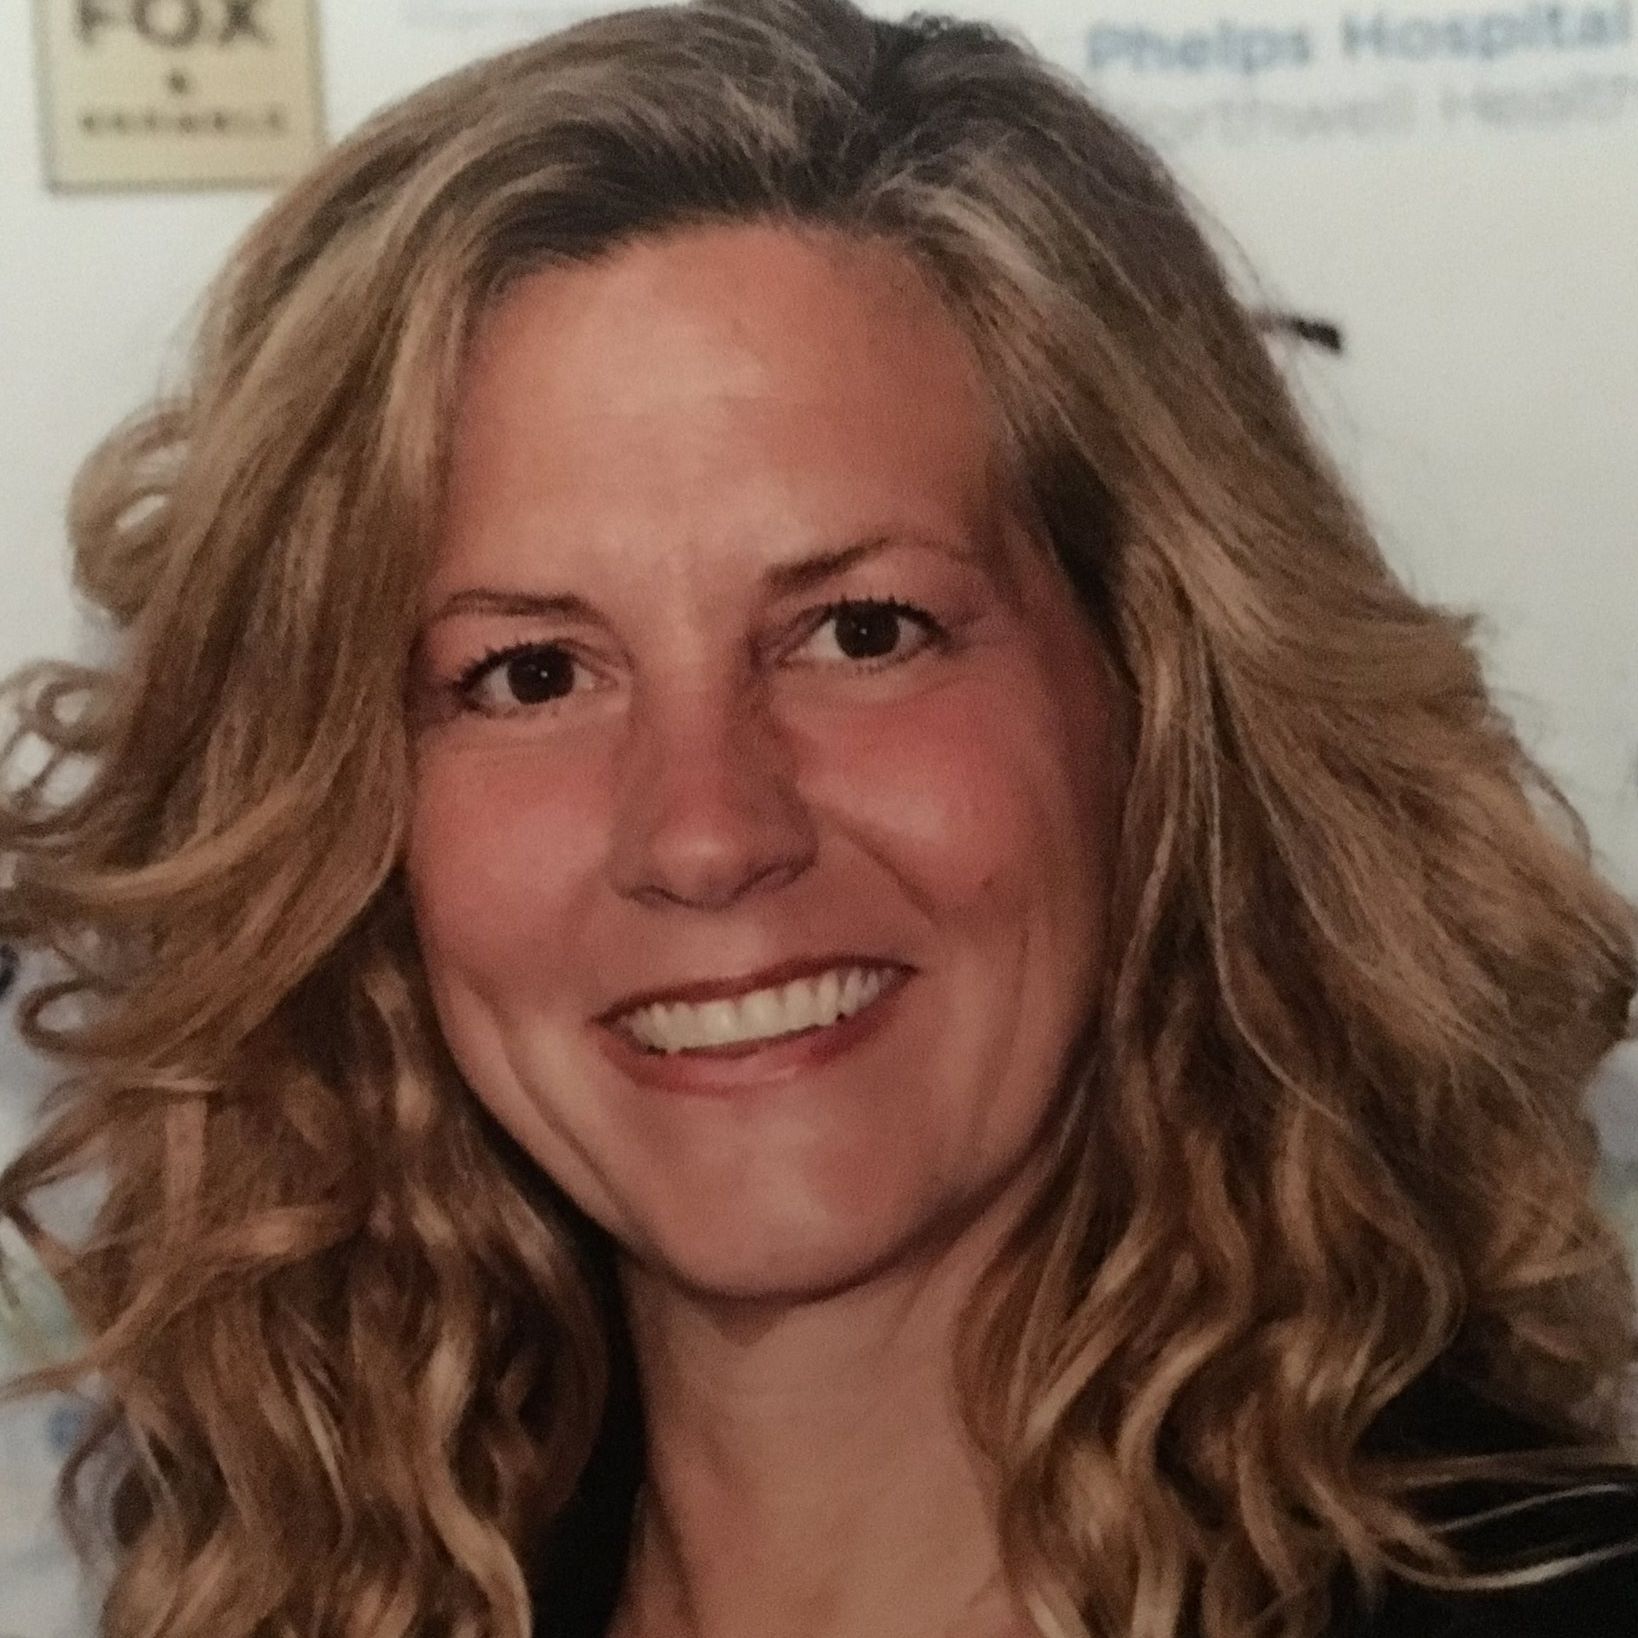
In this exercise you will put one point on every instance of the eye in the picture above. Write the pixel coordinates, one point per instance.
(868, 628)
(532, 674)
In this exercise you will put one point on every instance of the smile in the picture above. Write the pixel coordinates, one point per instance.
(803, 1006)
(798, 1060)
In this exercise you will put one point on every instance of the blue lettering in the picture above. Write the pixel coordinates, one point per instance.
(1487, 35)
(1230, 48)
(1614, 27)
(1194, 52)
(1110, 47)
(1498, 35)
(1267, 48)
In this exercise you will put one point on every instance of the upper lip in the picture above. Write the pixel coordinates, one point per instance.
(721, 989)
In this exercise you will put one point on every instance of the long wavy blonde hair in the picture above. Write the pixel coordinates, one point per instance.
(357, 1367)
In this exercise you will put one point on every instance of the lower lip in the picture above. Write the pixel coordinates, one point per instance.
(742, 1067)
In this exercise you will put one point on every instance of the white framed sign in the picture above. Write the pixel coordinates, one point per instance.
(168, 94)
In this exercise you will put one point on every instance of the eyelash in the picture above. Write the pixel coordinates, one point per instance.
(466, 683)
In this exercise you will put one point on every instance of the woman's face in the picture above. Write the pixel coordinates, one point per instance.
(648, 758)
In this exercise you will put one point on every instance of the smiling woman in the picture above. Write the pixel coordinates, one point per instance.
(754, 764)
(779, 926)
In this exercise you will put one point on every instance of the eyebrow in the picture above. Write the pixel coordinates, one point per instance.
(781, 580)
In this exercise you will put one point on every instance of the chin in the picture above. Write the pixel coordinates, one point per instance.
(801, 1280)
(752, 1259)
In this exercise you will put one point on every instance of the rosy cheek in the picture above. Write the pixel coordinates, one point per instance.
(495, 844)
(937, 780)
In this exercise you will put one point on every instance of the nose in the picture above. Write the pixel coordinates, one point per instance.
(708, 808)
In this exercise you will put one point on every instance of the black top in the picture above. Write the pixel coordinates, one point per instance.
(1598, 1601)
(585, 1559)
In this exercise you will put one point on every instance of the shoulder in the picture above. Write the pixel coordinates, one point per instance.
(1597, 1517)
(1497, 1526)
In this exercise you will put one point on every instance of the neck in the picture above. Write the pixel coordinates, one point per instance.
(807, 1471)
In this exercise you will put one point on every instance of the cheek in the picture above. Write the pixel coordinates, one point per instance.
(975, 792)
(497, 861)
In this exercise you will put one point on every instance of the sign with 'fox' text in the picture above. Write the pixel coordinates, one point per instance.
(178, 93)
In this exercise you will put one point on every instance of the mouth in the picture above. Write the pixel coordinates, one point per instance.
(718, 1067)
(796, 995)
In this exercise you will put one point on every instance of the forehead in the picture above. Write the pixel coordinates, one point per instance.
(735, 378)
(737, 310)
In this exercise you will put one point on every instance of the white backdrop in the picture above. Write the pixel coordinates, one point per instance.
(1454, 186)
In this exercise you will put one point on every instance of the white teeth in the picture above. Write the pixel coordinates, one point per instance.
(799, 1005)
(719, 1019)
(830, 999)
(763, 1013)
